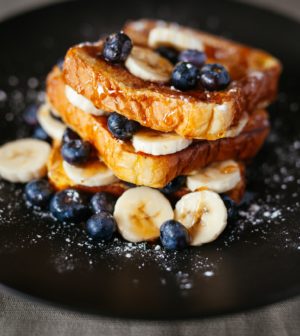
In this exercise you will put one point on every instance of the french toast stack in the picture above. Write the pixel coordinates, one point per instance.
(169, 113)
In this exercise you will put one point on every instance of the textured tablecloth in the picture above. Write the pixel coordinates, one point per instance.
(19, 316)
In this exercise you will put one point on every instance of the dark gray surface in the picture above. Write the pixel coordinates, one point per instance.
(21, 317)
(10, 7)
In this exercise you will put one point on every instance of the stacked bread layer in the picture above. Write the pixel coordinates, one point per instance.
(209, 126)
(144, 169)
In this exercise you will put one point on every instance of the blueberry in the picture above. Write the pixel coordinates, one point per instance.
(121, 127)
(39, 192)
(101, 226)
(173, 186)
(193, 56)
(103, 201)
(30, 115)
(39, 133)
(76, 152)
(69, 135)
(169, 53)
(70, 205)
(231, 207)
(185, 76)
(173, 235)
(117, 47)
(214, 77)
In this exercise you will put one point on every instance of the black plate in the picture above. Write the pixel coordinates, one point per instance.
(255, 262)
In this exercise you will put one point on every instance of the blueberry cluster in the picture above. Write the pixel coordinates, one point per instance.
(71, 205)
(191, 71)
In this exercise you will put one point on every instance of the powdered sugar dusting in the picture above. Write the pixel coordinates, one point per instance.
(268, 216)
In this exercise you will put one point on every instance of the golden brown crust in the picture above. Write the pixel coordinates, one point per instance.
(144, 169)
(60, 180)
(191, 114)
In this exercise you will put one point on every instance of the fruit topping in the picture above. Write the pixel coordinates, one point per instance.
(173, 186)
(121, 127)
(70, 135)
(117, 47)
(214, 77)
(101, 226)
(185, 76)
(173, 235)
(39, 192)
(169, 53)
(103, 201)
(76, 152)
(70, 205)
(193, 56)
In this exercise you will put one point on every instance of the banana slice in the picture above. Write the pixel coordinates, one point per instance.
(148, 65)
(234, 131)
(159, 143)
(52, 127)
(175, 37)
(95, 174)
(219, 177)
(81, 102)
(204, 214)
(140, 212)
(24, 160)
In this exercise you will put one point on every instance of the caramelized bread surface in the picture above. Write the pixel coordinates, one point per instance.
(193, 114)
(144, 169)
(60, 180)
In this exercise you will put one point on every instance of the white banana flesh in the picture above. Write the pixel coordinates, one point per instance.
(148, 65)
(82, 102)
(175, 37)
(94, 174)
(219, 177)
(24, 160)
(158, 143)
(54, 128)
(140, 212)
(204, 214)
(234, 131)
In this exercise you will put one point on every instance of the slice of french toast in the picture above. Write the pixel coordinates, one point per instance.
(193, 114)
(148, 170)
(60, 180)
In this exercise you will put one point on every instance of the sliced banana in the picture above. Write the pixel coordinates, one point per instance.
(219, 177)
(175, 37)
(148, 65)
(140, 212)
(94, 174)
(159, 143)
(82, 102)
(204, 214)
(24, 160)
(54, 128)
(234, 131)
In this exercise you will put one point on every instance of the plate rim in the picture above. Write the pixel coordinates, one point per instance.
(284, 296)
